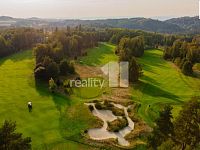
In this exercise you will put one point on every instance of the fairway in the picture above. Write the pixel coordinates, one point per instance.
(53, 116)
(162, 83)
(100, 55)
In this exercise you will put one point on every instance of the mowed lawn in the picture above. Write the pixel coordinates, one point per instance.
(53, 116)
(100, 55)
(162, 83)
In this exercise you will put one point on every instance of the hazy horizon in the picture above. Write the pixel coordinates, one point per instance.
(98, 9)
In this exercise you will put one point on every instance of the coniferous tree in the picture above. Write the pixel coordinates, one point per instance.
(11, 140)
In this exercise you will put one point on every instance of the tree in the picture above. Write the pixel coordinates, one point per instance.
(10, 140)
(4, 50)
(66, 67)
(131, 47)
(52, 70)
(164, 128)
(46, 61)
(164, 122)
(167, 53)
(134, 70)
(176, 49)
(186, 125)
(63, 67)
(187, 68)
(137, 46)
(40, 51)
(155, 139)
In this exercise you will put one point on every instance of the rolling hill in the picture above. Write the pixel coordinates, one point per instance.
(175, 25)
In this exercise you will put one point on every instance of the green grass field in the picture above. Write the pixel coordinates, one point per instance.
(53, 116)
(162, 83)
(99, 56)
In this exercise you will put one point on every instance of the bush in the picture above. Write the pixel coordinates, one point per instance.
(187, 68)
(91, 108)
(118, 112)
(108, 104)
(99, 106)
(197, 66)
(117, 124)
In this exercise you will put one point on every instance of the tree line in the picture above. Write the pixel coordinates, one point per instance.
(151, 39)
(184, 54)
(15, 40)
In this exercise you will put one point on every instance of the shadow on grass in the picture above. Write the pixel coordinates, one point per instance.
(95, 55)
(154, 91)
(19, 56)
(150, 60)
(151, 80)
(59, 100)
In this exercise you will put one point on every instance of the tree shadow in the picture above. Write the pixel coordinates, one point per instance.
(154, 91)
(59, 100)
(150, 60)
(151, 80)
(100, 52)
(18, 56)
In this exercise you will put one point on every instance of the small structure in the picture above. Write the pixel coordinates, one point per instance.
(30, 106)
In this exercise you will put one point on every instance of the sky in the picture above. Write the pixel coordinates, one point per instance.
(73, 9)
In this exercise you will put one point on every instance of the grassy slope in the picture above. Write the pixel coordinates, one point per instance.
(47, 123)
(97, 57)
(162, 83)
(100, 55)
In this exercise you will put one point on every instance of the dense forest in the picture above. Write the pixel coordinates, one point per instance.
(15, 40)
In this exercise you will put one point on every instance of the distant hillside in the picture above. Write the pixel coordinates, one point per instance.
(176, 25)
(6, 18)
(144, 24)
(191, 24)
